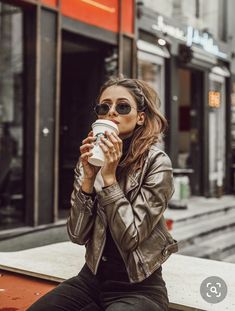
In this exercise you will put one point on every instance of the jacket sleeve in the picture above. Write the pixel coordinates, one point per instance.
(131, 223)
(82, 211)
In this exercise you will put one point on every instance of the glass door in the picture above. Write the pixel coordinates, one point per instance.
(152, 70)
(217, 134)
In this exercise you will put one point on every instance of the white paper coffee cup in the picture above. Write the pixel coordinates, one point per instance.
(99, 128)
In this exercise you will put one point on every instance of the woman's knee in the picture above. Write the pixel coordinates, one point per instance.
(67, 296)
(140, 303)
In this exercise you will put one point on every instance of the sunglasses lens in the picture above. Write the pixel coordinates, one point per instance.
(123, 108)
(101, 109)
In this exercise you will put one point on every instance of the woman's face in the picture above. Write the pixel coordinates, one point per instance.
(126, 123)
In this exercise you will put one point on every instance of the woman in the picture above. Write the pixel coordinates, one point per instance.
(117, 211)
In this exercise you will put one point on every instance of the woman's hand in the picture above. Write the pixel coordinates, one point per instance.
(112, 148)
(90, 171)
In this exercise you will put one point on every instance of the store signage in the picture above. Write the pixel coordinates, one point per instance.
(214, 99)
(204, 40)
(190, 36)
(99, 13)
(169, 29)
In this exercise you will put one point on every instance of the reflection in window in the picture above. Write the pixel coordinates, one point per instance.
(217, 137)
(11, 117)
(152, 73)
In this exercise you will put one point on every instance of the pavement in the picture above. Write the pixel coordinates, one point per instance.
(183, 274)
(197, 205)
(206, 229)
(197, 208)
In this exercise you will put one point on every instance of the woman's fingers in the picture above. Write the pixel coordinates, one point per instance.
(86, 155)
(111, 147)
(116, 141)
(89, 139)
(87, 143)
(86, 147)
(109, 144)
(104, 147)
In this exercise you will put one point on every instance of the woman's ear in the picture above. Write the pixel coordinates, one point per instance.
(141, 118)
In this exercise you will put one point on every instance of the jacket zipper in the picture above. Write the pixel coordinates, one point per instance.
(102, 248)
(161, 234)
(79, 222)
(100, 255)
(141, 262)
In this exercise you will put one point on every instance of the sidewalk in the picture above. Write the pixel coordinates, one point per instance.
(206, 229)
(183, 274)
(200, 205)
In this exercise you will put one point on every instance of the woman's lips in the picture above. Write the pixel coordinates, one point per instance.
(116, 122)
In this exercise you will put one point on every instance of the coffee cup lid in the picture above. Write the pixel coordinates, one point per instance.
(107, 123)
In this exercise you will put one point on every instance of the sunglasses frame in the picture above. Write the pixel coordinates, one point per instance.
(104, 104)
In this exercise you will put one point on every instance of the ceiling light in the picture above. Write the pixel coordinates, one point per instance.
(161, 42)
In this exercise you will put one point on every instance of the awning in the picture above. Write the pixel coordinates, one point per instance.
(153, 48)
(221, 71)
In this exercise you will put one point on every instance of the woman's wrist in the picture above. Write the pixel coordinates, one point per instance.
(109, 181)
(88, 185)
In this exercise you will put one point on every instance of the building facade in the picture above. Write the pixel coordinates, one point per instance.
(54, 56)
(184, 48)
(231, 37)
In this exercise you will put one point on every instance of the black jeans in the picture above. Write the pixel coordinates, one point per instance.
(88, 293)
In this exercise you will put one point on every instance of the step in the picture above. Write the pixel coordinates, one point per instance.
(230, 258)
(212, 247)
(20, 231)
(35, 238)
(196, 213)
(226, 253)
(190, 231)
(204, 216)
(200, 205)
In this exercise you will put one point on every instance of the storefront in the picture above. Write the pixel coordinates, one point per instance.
(232, 130)
(194, 85)
(12, 144)
(54, 56)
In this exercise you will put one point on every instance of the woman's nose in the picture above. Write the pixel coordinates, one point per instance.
(112, 110)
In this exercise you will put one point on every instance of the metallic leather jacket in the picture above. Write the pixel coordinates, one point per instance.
(133, 209)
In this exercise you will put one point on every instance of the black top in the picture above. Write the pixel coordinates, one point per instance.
(111, 265)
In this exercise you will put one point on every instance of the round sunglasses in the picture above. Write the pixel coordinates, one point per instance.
(121, 108)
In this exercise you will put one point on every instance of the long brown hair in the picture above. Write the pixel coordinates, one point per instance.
(150, 132)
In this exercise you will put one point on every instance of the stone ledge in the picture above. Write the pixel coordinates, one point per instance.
(183, 274)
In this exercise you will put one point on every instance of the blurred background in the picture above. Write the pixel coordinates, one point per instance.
(54, 56)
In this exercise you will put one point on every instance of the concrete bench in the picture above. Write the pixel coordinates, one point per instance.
(183, 274)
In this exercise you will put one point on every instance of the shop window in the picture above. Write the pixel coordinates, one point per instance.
(151, 70)
(233, 134)
(217, 134)
(152, 74)
(11, 116)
